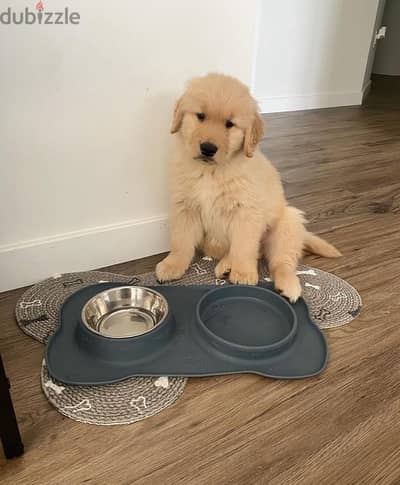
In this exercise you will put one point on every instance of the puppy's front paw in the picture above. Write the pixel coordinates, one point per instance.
(223, 267)
(170, 268)
(244, 274)
(288, 285)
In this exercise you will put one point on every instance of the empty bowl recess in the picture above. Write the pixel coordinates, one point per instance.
(247, 318)
(124, 311)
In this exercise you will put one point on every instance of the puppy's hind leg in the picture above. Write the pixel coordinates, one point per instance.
(283, 249)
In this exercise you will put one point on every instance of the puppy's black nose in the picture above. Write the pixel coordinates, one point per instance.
(208, 149)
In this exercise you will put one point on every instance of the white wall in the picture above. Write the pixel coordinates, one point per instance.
(312, 53)
(84, 125)
(387, 59)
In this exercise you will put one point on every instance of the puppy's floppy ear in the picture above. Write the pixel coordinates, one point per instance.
(253, 135)
(178, 115)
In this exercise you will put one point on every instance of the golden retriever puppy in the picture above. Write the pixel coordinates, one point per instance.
(226, 197)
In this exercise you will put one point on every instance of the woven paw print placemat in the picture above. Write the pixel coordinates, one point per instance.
(332, 302)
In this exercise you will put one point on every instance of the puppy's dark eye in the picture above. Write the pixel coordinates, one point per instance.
(229, 124)
(201, 116)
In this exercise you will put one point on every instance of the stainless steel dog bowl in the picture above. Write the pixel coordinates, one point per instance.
(124, 311)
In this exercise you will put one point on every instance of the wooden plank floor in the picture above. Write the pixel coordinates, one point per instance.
(342, 166)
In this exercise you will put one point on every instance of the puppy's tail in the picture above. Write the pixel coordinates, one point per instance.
(316, 245)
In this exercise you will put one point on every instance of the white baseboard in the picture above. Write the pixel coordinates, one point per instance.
(277, 104)
(28, 262)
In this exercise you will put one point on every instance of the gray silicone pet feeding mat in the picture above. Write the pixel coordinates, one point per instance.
(332, 302)
(207, 332)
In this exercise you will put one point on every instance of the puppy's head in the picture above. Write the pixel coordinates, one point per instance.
(217, 118)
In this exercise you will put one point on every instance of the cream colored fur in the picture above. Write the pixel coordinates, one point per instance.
(231, 207)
